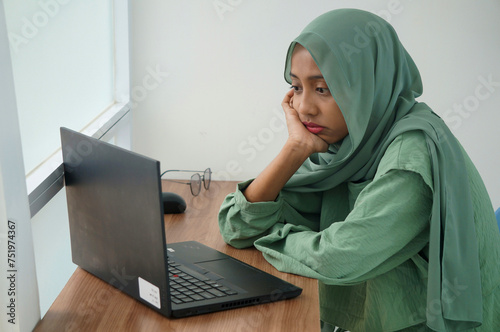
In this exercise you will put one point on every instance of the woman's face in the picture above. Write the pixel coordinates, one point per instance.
(312, 99)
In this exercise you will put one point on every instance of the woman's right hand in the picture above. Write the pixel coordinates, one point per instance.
(300, 145)
(298, 136)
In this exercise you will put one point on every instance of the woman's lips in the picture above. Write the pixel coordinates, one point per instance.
(313, 128)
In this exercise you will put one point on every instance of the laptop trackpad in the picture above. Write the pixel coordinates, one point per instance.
(231, 270)
(194, 252)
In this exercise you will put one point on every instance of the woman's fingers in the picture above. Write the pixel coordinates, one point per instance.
(287, 100)
(297, 131)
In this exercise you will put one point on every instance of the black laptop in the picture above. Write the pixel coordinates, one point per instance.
(118, 234)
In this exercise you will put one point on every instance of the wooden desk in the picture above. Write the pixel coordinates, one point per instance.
(88, 304)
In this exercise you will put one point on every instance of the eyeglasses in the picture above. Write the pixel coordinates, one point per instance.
(196, 179)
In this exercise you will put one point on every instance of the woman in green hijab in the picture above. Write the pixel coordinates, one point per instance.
(371, 194)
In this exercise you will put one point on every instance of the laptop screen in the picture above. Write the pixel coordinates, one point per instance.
(116, 217)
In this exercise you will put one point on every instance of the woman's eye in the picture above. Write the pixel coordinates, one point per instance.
(295, 88)
(322, 90)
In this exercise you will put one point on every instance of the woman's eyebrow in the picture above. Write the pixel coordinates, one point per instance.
(313, 77)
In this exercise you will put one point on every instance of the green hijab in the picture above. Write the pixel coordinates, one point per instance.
(375, 82)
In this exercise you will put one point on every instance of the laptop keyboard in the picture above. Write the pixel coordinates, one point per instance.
(185, 287)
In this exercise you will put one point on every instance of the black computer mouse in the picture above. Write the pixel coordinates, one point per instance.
(173, 203)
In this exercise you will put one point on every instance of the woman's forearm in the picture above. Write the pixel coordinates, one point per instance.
(273, 178)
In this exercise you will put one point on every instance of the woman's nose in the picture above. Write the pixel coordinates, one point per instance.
(305, 105)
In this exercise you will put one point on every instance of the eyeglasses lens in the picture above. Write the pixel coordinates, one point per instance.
(207, 178)
(195, 184)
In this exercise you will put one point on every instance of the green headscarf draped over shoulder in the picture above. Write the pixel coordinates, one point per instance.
(375, 82)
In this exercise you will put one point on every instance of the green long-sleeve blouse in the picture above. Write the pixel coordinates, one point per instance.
(369, 252)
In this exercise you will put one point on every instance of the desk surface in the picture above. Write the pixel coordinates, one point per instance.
(88, 304)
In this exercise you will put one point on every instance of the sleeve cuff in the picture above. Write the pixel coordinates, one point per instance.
(258, 208)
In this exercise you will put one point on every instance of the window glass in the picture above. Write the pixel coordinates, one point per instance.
(63, 62)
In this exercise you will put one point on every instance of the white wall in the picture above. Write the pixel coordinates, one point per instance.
(52, 246)
(207, 76)
(19, 292)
